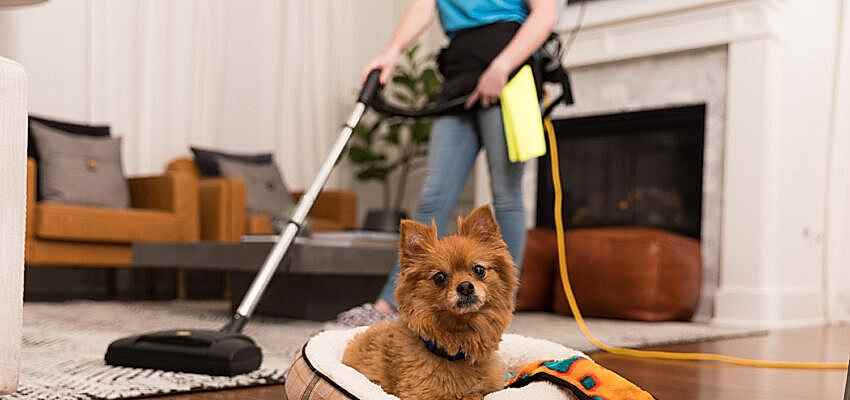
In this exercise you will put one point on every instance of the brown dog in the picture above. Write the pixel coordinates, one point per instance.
(455, 298)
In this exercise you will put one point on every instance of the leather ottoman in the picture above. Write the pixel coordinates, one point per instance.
(628, 273)
(535, 289)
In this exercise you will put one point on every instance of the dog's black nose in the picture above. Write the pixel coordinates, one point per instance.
(466, 288)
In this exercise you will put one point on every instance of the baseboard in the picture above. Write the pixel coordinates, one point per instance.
(769, 307)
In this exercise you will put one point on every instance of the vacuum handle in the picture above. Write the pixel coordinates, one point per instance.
(371, 87)
(287, 237)
(252, 297)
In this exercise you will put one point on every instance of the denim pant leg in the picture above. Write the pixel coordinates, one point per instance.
(505, 182)
(452, 151)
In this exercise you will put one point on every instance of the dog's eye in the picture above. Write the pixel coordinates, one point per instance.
(479, 270)
(440, 278)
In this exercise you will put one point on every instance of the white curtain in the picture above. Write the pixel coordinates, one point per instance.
(248, 76)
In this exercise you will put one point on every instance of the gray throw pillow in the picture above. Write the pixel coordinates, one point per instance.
(80, 170)
(266, 191)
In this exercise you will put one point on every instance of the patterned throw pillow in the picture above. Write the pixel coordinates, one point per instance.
(80, 170)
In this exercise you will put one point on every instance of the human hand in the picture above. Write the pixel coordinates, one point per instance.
(490, 85)
(386, 62)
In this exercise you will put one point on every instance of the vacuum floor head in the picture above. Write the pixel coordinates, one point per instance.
(187, 350)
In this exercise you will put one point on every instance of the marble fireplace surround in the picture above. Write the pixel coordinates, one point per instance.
(640, 55)
(658, 82)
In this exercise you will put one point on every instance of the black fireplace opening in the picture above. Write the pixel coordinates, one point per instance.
(641, 168)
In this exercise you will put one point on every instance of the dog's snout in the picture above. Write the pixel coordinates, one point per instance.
(466, 288)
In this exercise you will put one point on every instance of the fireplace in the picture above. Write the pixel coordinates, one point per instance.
(641, 168)
(730, 56)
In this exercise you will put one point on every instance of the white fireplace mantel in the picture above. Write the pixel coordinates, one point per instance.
(779, 76)
(614, 30)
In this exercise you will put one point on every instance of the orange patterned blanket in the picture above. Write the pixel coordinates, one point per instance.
(586, 379)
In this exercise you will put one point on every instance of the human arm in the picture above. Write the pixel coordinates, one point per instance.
(414, 21)
(537, 27)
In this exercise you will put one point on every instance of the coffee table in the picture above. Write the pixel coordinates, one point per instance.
(320, 276)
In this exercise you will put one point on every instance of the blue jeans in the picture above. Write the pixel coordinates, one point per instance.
(455, 143)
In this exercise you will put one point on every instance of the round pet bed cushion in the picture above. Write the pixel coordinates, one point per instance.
(319, 374)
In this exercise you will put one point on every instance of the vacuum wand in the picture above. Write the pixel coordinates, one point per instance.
(258, 286)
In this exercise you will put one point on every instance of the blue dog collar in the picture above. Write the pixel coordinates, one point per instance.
(438, 351)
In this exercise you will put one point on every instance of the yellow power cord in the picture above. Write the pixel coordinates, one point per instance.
(647, 354)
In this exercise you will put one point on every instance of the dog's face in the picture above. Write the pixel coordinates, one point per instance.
(450, 281)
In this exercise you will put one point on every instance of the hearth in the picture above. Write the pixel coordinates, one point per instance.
(640, 168)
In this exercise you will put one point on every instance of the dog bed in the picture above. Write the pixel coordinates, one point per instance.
(319, 374)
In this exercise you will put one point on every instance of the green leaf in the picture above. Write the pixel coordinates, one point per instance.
(411, 56)
(421, 131)
(393, 135)
(405, 81)
(404, 97)
(431, 80)
(363, 133)
(361, 155)
(373, 173)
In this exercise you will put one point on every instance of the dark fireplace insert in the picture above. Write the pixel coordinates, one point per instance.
(639, 168)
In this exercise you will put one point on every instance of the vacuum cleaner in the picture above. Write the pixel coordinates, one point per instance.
(228, 352)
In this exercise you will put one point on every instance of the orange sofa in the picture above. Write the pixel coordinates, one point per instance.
(224, 218)
(163, 208)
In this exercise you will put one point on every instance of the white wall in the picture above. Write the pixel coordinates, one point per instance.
(774, 269)
(838, 189)
(243, 76)
(800, 161)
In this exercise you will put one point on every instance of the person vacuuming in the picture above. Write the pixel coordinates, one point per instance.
(489, 41)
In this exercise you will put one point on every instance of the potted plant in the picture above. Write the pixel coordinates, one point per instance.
(383, 146)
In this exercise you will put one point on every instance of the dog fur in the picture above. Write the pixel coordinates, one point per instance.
(393, 355)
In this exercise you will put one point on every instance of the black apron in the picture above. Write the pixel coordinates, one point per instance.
(468, 54)
(471, 51)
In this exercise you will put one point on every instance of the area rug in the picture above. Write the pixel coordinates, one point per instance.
(64, 343)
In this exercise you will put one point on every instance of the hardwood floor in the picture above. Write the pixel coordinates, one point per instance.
(669, 380)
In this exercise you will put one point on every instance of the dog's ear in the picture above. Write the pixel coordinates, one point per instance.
(480, 224)
(416, 238)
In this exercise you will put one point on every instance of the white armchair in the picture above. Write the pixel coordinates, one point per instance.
(13, 161)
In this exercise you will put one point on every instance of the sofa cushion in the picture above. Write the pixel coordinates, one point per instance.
(319, 224)
(631, 273)
(264, 224)
(259, 224)
(266, 192)
(58, 221)
(55, 253)
(80, 170)
(67, 127)
(207, 160)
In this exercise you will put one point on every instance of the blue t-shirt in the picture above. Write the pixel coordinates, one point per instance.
(462, 14)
